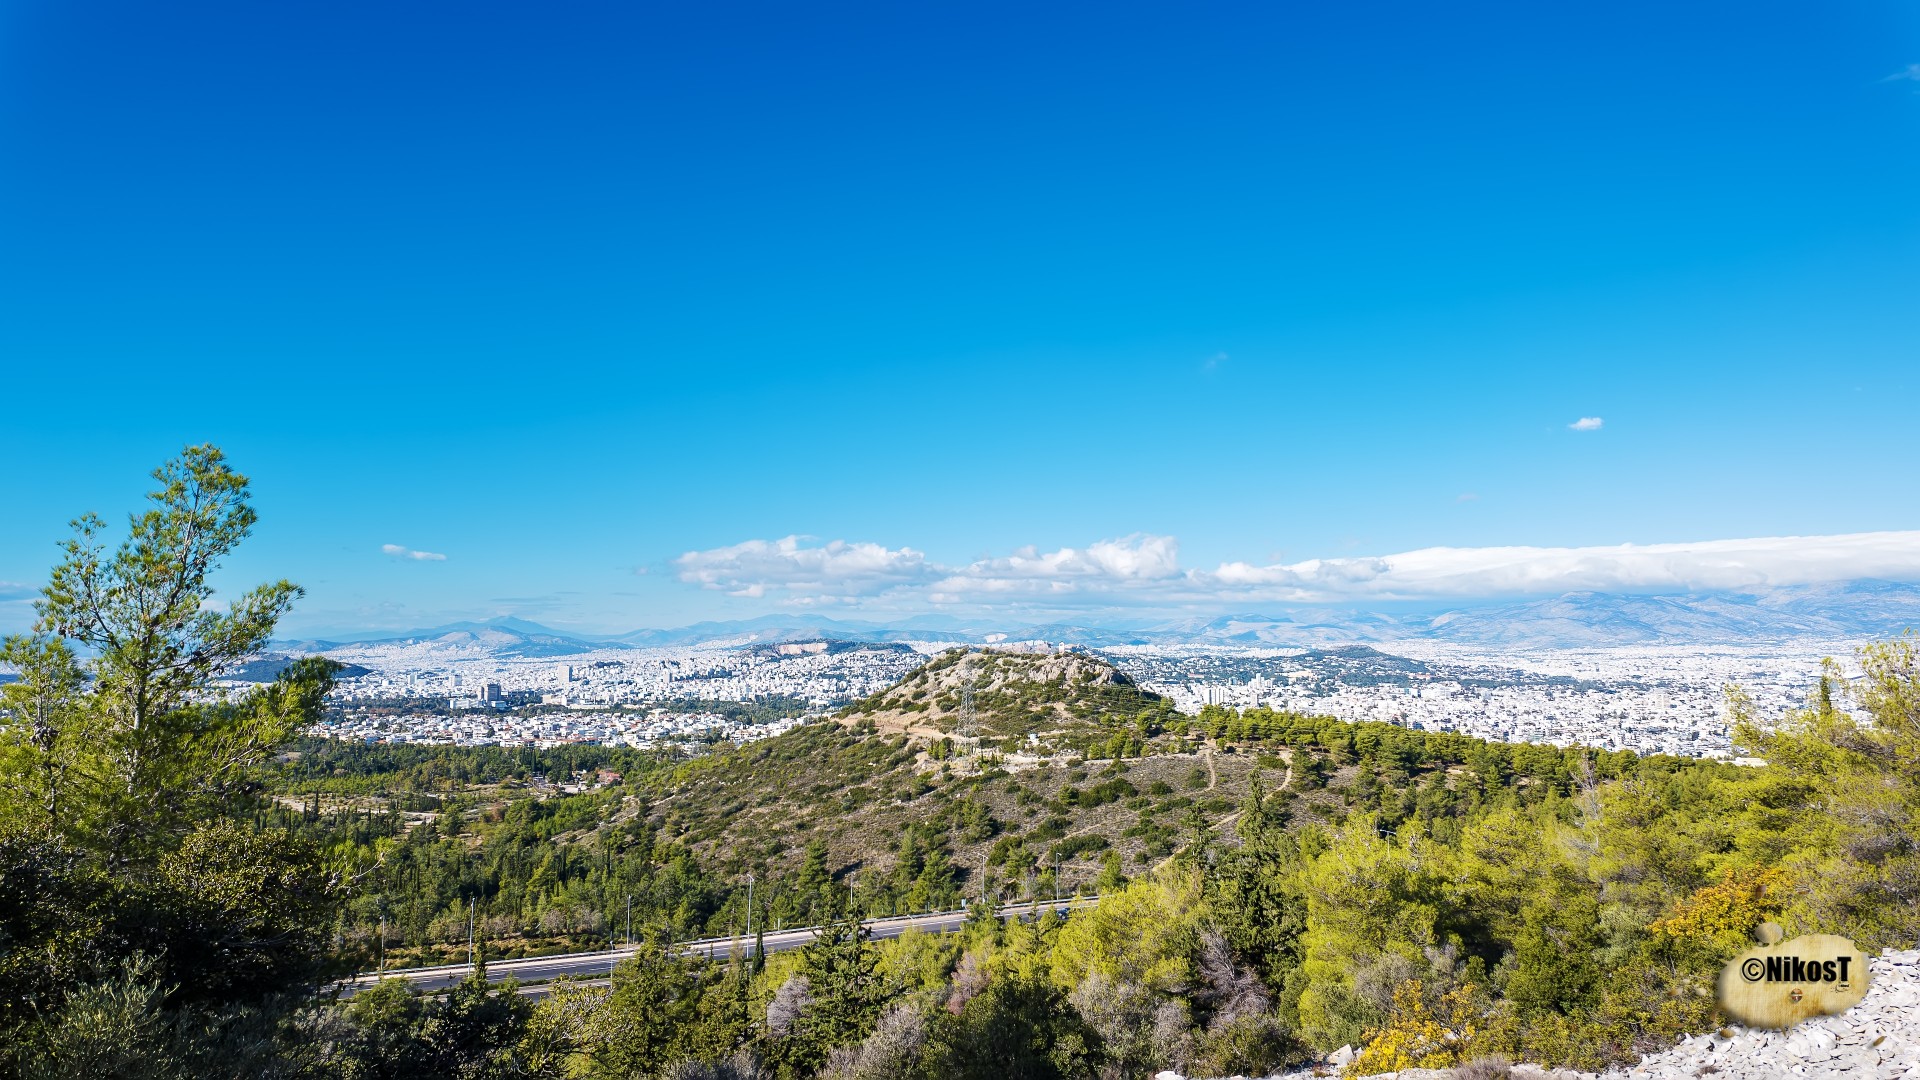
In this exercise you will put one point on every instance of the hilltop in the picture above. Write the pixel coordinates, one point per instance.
(1004, 696)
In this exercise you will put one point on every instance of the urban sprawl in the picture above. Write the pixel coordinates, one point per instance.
(1649, 699)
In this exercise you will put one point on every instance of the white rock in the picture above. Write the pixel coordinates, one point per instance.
(1342, 1057)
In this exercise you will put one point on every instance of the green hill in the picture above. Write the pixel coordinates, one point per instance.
(1075, 776)
(1057, 771)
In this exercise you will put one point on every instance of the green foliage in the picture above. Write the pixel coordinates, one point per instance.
(662, 1010)
(46, 750)
(143, 899)
(239, 914)
(1860, 848)
(1144, 934)
(1256, 894)
(1555, 955)
(1018, 1029)
(115, 1027)
(841, 970)
(54, 910)
(145, 612)
(473, 1032)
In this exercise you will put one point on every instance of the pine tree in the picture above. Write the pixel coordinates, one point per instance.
(840, 968)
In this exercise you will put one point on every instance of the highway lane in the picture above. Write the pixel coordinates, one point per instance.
(536, 970)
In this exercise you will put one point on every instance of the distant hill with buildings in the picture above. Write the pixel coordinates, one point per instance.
(265, 669)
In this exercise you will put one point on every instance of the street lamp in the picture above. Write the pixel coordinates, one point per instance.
(749, 907)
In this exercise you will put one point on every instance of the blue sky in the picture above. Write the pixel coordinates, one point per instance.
(593, 299)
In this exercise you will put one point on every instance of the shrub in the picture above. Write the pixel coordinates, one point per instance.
(1077, 846)
(1417, 1036)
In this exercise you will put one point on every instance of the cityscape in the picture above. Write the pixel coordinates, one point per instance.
(1648, 699)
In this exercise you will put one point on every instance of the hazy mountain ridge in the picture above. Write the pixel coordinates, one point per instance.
(1846, 611)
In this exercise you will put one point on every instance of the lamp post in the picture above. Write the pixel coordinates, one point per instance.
(749, 906)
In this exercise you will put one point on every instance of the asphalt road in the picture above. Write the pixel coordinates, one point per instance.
(535, 970)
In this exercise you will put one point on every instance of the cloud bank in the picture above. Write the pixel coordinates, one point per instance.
(1144, 571)
(1587, 423)
(401, 551)
(837, 568)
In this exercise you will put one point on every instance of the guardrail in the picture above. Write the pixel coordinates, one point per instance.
(498, 970)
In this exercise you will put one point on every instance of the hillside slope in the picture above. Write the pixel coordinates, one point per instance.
(1073, 767)
(1069, 764)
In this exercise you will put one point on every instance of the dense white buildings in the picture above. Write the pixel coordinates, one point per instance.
(1649, 699)
(643, 729)
(1644, 698)
(615, 677)
(636, 697)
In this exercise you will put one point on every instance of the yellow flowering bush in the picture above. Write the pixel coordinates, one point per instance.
(1418, 1036)
(1723, 915)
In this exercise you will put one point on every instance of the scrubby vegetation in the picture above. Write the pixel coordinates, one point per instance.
(1057, 699)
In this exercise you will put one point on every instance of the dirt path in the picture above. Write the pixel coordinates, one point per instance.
(1212, 778)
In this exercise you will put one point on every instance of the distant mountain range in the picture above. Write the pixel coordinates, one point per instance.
(1843, 612)
(505, 636)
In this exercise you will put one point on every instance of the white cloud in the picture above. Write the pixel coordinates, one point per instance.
(1143, 571)
(1136, 557)
(1911, 73)
(17, 590)
(1513, 571)
(401, 551)
(1587, 423)
(837, 568)
(840, 572)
